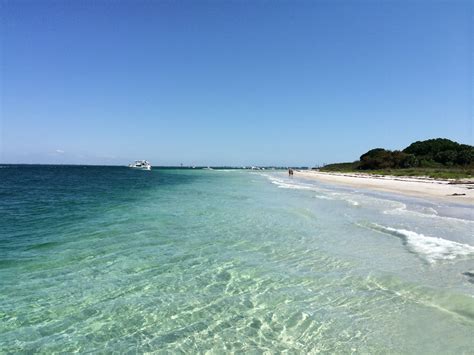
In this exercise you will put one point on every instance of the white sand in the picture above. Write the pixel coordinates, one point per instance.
(413, 186)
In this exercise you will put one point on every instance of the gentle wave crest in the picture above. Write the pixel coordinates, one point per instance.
(323, 193)
(287, 185)
(433, 249)
(430, 213)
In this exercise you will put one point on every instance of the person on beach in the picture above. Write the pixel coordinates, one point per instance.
(290, 172)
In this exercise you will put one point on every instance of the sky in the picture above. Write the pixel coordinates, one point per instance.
(231, 82)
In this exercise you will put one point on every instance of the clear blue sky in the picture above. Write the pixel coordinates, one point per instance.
(231, 82)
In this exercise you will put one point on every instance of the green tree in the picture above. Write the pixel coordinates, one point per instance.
(377, 158)
(465, 157)
(402, 160)
(446, 157)
(431, 146)
(433, 152)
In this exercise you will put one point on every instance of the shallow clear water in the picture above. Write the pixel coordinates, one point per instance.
(108, 258)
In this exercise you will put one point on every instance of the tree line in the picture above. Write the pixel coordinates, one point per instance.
(431, 153)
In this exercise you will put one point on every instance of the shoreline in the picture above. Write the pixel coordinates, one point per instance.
(421, 187)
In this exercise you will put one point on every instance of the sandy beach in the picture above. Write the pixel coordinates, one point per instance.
(413, 186)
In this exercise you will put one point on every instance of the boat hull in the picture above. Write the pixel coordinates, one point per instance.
(140, 167)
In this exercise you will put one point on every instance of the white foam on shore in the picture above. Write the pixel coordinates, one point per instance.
(353, 203)
(282, 184)
(289, 185)
(433, 249)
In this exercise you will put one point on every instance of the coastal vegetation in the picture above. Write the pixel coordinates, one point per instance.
(437, 158)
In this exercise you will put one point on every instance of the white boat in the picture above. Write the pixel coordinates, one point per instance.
(140, 164)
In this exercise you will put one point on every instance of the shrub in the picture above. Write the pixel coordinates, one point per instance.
(465, 157)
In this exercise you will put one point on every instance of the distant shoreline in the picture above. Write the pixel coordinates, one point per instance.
(421, 187)
(198, 167)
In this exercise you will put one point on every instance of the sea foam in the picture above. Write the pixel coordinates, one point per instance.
(433, 249)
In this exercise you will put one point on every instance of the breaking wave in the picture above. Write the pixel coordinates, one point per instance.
(433, 249)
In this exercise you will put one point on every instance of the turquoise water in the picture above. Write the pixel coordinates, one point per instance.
(109, 259)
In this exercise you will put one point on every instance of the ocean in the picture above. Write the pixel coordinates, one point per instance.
(110, 259)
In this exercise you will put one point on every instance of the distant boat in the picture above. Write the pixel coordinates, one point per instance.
(208, 168)
(140, 164)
